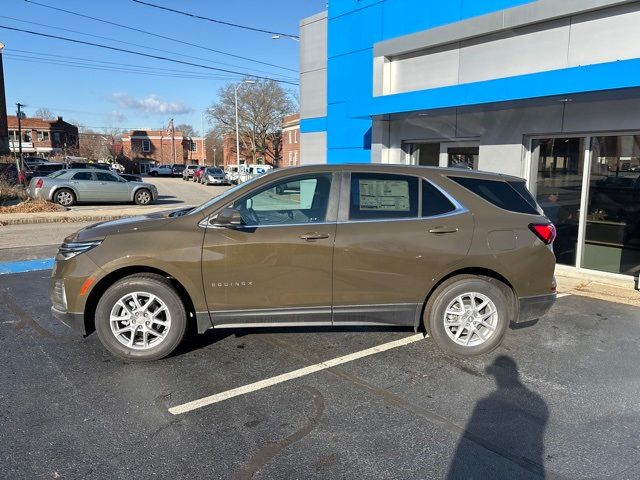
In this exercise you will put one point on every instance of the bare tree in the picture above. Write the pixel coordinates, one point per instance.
(44, 113)
(186, 129)
(261, 109)
(214, 140)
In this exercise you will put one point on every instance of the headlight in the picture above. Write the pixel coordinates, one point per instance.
(72, 249)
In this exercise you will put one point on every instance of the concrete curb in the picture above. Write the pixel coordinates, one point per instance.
(600, 289)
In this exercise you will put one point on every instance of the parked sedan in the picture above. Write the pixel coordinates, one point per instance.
(213, 175)
(90, 185)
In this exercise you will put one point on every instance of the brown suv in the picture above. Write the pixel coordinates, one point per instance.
(462, 252)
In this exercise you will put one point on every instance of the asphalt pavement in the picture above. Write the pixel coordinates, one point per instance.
(558, 400)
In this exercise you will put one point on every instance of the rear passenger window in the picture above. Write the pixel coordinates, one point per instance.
(434, 202)
(497, 192)
(82, 176)
(376, 196)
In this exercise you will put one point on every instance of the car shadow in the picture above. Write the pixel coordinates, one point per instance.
(505, 431)
(194, 341)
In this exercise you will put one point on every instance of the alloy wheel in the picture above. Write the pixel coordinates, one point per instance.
(470, 319)
(140, 320)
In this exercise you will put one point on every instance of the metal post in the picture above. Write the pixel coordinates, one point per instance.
(19, 160)
(237, 133)
(215, 164)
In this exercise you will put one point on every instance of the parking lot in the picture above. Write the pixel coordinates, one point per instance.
(558, 399)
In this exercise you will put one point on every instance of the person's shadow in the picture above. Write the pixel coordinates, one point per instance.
(505, 436)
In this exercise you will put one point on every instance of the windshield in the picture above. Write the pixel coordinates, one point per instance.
(229, 192)
(214, 170)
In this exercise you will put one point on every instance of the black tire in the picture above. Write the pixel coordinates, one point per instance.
(153, 284)
(154, 174)
(142, 197)
(64, 197)
(447, 292)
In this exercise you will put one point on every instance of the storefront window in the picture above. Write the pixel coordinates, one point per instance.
(612, 235)
(558, 189)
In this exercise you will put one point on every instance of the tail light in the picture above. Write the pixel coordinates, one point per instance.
(544, 231)
(39, 183)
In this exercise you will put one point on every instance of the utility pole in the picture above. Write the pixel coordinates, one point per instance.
(19, 160)
(173, 141)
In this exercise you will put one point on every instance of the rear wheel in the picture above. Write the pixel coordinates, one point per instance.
(141, 318)
(154, 174)
(143, 197)
(468, 315)
(64, 197)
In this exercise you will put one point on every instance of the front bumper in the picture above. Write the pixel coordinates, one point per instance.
(75, 321)
(216, 180)
(532, 308)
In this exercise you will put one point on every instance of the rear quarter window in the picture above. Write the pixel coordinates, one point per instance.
(500, 193)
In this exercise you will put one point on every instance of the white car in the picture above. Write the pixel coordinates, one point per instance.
(166, 170)
(187, 173)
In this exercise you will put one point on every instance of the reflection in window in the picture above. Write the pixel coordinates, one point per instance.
(612, 236)
(558, 189)
(292, 201)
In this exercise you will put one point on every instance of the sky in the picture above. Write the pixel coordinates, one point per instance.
(87, 84)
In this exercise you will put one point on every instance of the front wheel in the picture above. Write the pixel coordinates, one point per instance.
(467, 315)
(143, 197)
(154, 174)
(141, 318)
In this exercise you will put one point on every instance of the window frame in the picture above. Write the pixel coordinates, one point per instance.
(332, 202)
(345, 199)
(142, 145)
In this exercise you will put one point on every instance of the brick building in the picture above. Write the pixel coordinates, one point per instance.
(150, 147)
(247, 155)
(4, 130)
(42, 137)
(291, 141)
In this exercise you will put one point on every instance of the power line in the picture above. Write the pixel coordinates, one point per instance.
(128, 43)
(159, 36)
(19, 58)
(208, 19)
(133, 52)
(63, 60)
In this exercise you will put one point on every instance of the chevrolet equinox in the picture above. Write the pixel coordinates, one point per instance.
(463, 253)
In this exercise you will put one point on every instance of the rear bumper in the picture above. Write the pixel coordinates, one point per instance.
(74, 321)
(532, 308)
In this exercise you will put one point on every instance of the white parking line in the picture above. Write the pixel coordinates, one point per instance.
(560, 295)
(252, 387)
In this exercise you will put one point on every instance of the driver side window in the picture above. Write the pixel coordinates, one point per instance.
(289, 201)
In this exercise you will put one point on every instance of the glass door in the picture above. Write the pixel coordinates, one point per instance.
(558, 189)
(426, 154)
(612, 231)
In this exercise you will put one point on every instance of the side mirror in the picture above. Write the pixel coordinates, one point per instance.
(228, 218)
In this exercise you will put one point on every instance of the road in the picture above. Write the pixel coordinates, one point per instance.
(31, 241)
(559, 398)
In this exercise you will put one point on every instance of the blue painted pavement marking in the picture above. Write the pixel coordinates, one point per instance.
(26, 265)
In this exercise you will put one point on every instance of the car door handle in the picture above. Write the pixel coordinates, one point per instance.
(314, 236)
(443, 229)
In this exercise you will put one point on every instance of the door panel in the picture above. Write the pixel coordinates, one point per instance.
(109, 189)
(383, 267)
(277, 268)
(85, 186)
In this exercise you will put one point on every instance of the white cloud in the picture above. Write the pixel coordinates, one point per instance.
(150, 104)
(116, 116)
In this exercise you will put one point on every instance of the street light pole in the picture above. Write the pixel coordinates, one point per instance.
(237, 128)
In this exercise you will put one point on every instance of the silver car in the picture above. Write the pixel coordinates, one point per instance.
(67, 187)
(213, 175)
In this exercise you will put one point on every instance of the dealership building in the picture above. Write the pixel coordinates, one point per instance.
(547, 90)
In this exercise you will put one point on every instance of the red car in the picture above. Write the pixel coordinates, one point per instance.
(197, 174)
